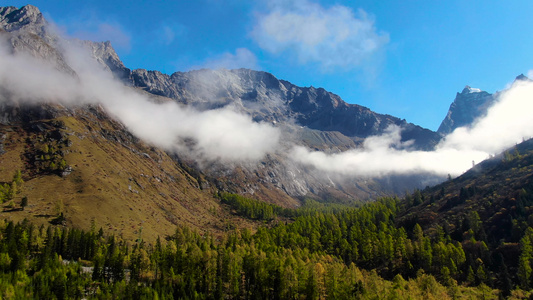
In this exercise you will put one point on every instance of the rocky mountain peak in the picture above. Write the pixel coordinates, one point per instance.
(469, 90)
(467, 106)
(29, 32)
(522, 77)
(105, 55)
(28, 18)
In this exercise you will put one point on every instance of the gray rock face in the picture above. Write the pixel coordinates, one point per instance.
(29, 32)
(308, 116)
(2, 139)
(468, 105)
(27, 18)
(106, 56)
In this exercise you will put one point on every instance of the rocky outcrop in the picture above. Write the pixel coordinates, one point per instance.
(468, 105)
(28, 32)
(28, 19)
(106, 56)
(2, 139)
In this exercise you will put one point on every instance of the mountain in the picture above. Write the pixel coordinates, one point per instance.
(70, 161)
(469, 105)
(312, 117)
(267, 98)
(79, 159)
(499, 189)
(487, 210)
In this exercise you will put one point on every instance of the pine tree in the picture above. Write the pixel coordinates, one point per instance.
(24, 202)
(524, 264)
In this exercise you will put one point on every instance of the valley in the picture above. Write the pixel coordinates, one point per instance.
(225, 184)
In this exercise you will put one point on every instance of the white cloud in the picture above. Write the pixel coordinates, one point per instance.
(381, 156)
(243, 58)
(106, 32)
(220, 134)
(92, 27)
(330, 37)
(168, 32)
(507, 122)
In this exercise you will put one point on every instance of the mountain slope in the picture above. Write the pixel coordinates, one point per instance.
(311, 117)
(124, 185)
(488, 210)
(118, 179)
(495, 188)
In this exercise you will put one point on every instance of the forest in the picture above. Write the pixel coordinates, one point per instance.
(316, 252)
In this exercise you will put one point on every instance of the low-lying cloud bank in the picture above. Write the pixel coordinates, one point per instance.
(221, 134)
(507, 122)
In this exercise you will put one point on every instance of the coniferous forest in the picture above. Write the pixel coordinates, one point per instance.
(318, 251)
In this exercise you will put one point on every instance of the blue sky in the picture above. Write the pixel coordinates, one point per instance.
(404, 58)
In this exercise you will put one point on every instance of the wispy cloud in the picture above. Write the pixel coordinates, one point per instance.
(214, 135)
(168, 32)
(92, 27)
(242, 58)
(334, 37)
(380, 156)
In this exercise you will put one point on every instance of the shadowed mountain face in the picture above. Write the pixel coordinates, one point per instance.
(307, 116)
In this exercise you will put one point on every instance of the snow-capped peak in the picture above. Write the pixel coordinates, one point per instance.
(470, 90)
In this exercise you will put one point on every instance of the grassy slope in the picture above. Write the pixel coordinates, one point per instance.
(123, 185)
